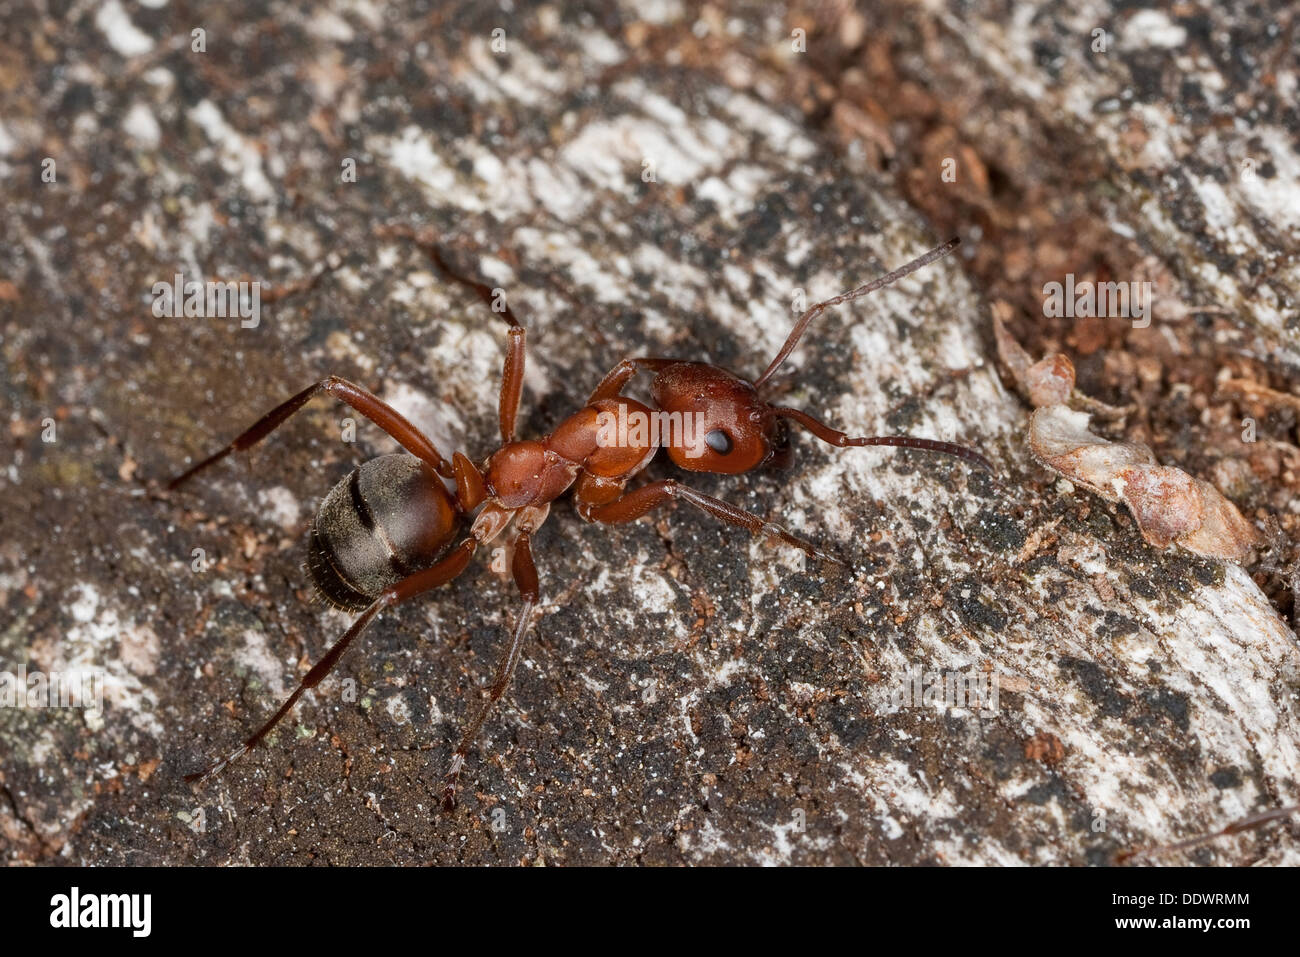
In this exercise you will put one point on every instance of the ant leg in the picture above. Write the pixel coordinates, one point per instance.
(1236, 827)
(525, 575)
(424, 239)
(632, 505)
(470, 488)
(512, 379)
(617, 377)
(363, 401)
(438, 574)
(842, 440)
(512, 383)
(797, 332)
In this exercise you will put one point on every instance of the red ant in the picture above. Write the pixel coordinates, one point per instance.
(381, 535)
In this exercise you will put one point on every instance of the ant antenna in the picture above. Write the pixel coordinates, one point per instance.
(793, 340)
(843, 441)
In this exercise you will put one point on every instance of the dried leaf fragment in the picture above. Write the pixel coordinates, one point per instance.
(1049, 381)
(1170, 506)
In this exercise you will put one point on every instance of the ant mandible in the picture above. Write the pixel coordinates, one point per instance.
(382, 534)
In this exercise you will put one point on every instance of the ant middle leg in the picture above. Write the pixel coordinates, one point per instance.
(632, 505)
(360, 399)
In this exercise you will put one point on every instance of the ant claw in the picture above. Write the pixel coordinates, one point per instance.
(200, 778)
(449, 789)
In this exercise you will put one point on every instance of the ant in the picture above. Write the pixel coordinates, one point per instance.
(384, 534)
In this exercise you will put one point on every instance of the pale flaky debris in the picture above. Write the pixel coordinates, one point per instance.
(1047, 382)
(1170, 506)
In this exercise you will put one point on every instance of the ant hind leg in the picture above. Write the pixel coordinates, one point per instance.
(360, 399)
(438, 574)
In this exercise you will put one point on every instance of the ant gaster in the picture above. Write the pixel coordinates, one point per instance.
(384, 534)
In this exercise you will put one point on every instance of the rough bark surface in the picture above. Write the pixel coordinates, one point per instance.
(1184, 120)
(689, 695)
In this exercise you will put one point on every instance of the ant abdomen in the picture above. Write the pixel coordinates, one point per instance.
(389, 518)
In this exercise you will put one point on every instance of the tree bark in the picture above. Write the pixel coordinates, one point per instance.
(689, 695)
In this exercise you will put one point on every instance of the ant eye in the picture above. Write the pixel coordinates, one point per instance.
(719, 441)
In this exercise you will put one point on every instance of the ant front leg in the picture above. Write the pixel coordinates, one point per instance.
(632, 505)
(525, 576)
(512, 383)
(617, 377)
(363, 401)
(512, 377)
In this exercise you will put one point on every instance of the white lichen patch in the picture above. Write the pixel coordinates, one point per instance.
(256, 656)
(653, 592)
(619, 154)
(1151, 28)
(779, 133)
(92, 652)
(563, 251)
(734, 195)
(527, 80)
(559, 189)
(412, 153)
(238, 154)
(281, 506)
(122, 34)
(139, 649)
(141, 125)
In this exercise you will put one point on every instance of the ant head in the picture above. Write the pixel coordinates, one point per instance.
(725, 427)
